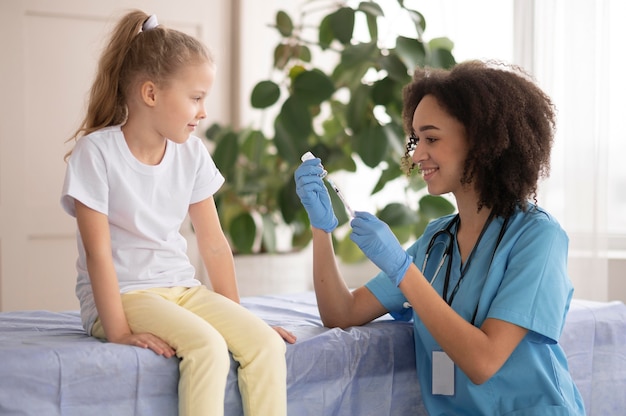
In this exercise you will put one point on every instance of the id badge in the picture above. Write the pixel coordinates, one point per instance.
(443, 374)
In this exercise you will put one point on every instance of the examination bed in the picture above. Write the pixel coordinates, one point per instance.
(49, 366)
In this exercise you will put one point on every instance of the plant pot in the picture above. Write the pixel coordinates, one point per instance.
(262, 274)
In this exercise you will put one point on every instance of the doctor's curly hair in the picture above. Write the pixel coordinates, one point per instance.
(509, 122)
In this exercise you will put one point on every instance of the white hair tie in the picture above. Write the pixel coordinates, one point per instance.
(150, 23)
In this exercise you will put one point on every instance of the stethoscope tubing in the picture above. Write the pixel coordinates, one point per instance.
(448, 249)
(446, 253)
(441, 262)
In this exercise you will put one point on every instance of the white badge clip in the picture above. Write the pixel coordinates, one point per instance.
(443, 374)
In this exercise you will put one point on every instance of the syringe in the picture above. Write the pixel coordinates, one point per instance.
(309, 156)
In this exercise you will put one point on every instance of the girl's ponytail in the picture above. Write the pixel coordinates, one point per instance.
(155, 53)
(106, 101)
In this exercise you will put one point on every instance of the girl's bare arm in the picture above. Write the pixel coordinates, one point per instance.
(214, 248)
(96, 237)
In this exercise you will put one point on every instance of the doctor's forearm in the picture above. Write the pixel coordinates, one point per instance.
(468, 346)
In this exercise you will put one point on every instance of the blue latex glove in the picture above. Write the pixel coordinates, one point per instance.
(314, 195)
(380, 245)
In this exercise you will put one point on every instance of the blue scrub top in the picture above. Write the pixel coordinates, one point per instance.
(525, 284)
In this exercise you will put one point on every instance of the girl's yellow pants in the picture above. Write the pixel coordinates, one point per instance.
(203, 326)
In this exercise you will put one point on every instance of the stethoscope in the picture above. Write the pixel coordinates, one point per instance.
(437, 239)
(448, 247)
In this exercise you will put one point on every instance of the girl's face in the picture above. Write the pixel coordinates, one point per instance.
(180, 103)
(441, 147)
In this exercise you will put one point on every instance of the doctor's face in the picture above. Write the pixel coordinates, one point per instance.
(441, 147)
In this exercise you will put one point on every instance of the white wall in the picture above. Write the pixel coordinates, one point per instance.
(49, 52)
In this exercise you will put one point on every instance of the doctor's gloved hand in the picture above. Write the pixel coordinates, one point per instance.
(380, 245)
(314, 195)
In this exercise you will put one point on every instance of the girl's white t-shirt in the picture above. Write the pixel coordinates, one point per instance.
(145, 205)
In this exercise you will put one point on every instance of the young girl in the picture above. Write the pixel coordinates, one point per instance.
(134, 174)
(487, 288)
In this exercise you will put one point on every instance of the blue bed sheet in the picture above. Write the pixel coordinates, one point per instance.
(49, 366)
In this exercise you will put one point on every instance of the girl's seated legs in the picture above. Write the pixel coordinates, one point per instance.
(202, 326)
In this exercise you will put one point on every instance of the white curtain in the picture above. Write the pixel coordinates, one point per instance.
(578, 56)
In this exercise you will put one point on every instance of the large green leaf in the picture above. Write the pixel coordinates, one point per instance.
(387, 175)
(296, 70)
(264, 94)
(254, 146)
(225, 154)
(371, 8)
(303, 53)
(397, 215)
(431, 207)
(371, 145)
(403, 233)
(325, 33)
(313, 87)
(353, 56)
(282, 55)
(292, 127)
(350, 76)
(301, 227)
(295, 118)
(395, 138)
(420, 226)
(418, 21)
(441, 58)
(348, 251)
(268, 234)
(382, 91)
(359, 108)
(372, 12)
(284, 143)
(411, 52)
(356, 61)
(342, 24)
(396, 69)
(289, 201)
(213, 132)
(441, 43)
(372, 27)
(242, 232)
(284, 24)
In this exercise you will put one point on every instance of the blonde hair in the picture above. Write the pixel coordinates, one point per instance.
(132, 55)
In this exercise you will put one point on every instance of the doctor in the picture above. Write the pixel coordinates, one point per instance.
(487, 288)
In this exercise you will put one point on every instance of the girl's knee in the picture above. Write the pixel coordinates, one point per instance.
(276, 342)
(204, 356)
(270, 343)
(203, 343)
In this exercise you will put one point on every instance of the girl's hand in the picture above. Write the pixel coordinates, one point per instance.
(147, 340)
(286, 335)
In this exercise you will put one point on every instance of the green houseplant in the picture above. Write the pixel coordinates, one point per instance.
(347, 113)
